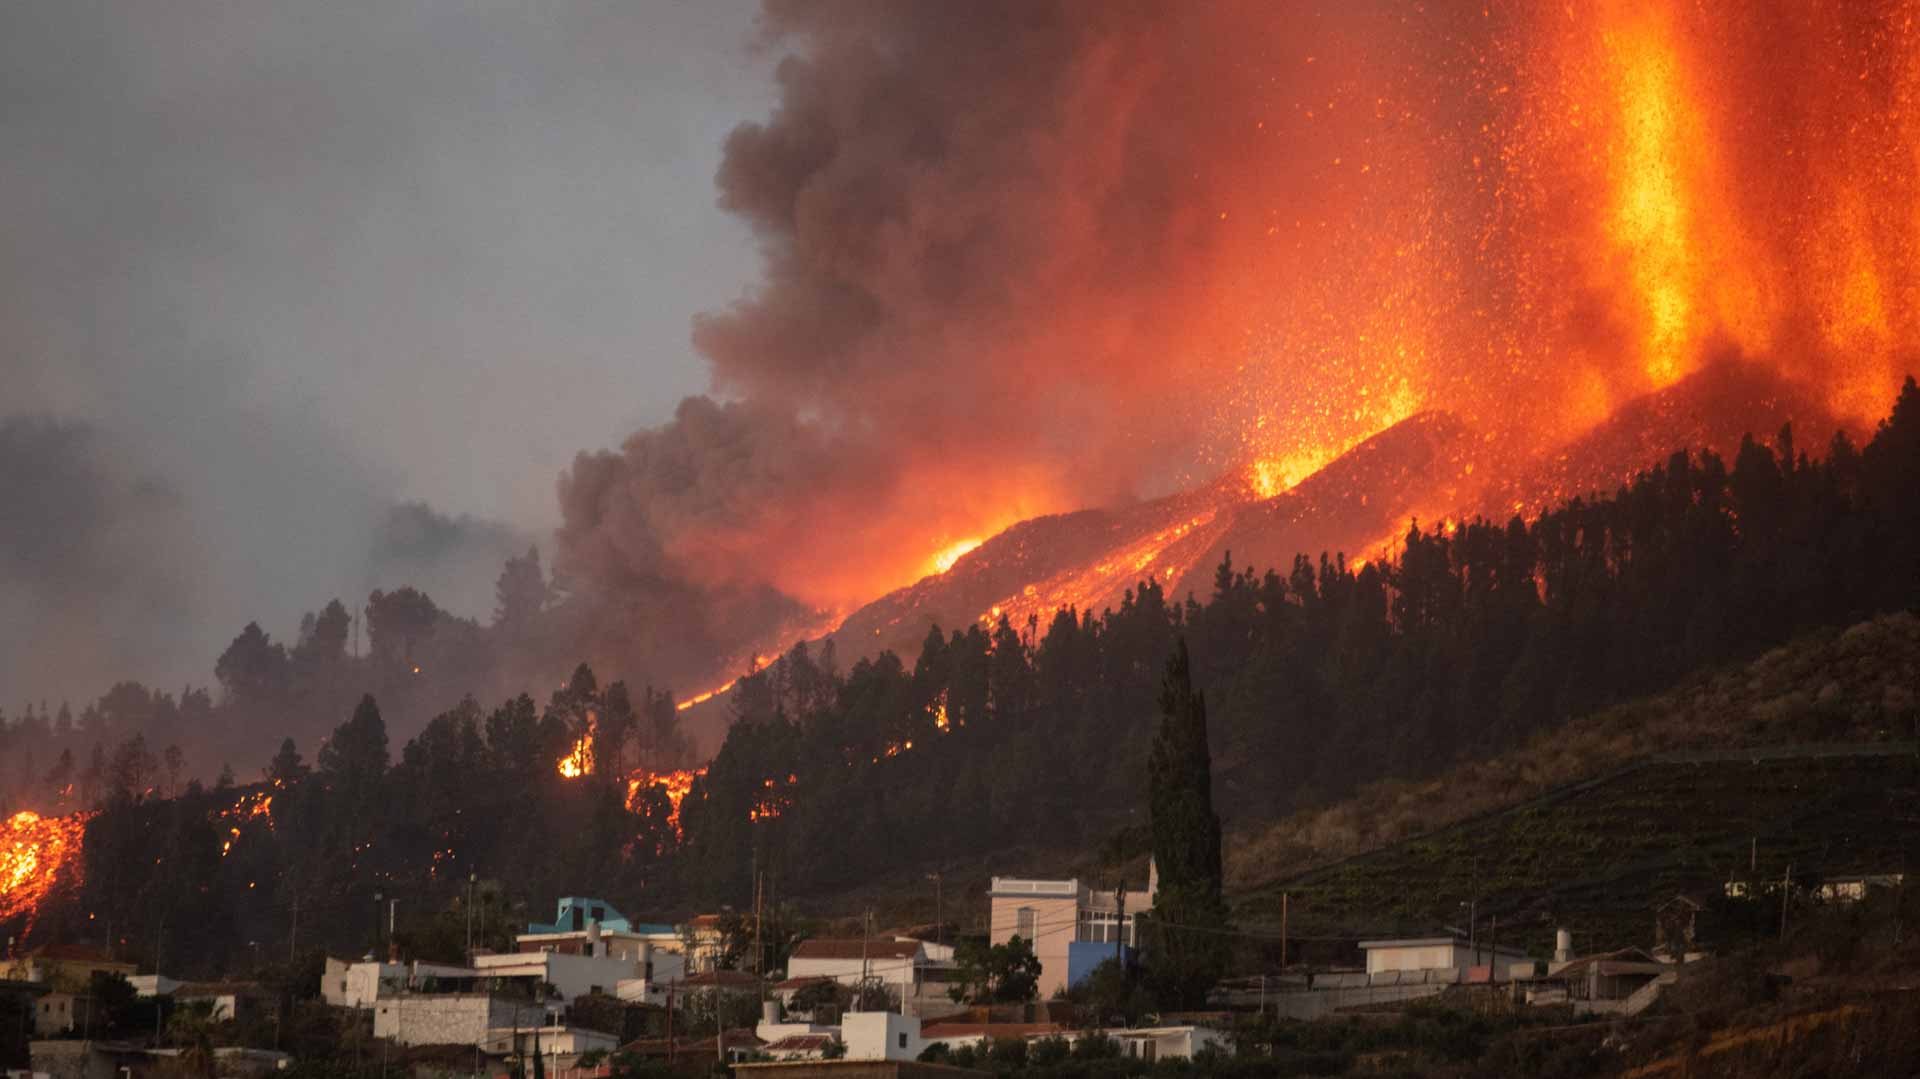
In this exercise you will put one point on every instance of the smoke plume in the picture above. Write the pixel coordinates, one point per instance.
(1021, 257)
(97, 559)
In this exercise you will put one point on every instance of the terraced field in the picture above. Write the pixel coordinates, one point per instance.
(1597, 857)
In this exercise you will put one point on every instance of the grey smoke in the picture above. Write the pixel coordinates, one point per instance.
(304, 263)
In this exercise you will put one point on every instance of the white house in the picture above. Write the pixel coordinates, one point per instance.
(346, 984)
(1168, 1043)
(561, 1047)
(867, 1036)
(1434, 953)
(894, 963)
(571, 975)
(228, 1000)
(153, 985)
(881, 1036)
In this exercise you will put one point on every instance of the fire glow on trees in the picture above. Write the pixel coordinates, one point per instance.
(257, 806)
(35, 852)
(676, 784)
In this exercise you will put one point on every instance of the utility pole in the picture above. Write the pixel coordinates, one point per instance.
(293, 932)
(939, 921)
(1493, 953)
(866, 935)
(158, 940)
(1120, 925)
(471, 878)
(1786, 898)
(759, 957)
(1283, 934)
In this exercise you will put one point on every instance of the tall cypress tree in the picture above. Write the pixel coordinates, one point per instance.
(1186, 935)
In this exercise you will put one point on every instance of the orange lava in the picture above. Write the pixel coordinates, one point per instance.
(35, 852)
(943, 560)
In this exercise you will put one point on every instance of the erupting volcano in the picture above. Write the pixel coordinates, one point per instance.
(1239, 279)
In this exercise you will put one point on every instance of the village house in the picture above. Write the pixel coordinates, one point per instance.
(873, 1035)
(225, 1000)
(592, 927)
(67, 967)
(1473, 960)
(1622, 982)
(347, 984)
(1071, 926)
(558, 1047)
(915, 973)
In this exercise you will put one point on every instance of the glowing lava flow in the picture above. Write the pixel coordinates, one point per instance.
(702, 698)
(34, 852)
(943, 561)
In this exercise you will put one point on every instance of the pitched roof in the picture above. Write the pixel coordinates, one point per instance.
(72, 953)
(820, 948)
(802, 983)
(1623, 961)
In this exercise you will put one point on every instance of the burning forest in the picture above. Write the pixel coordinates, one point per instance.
(1400, 357)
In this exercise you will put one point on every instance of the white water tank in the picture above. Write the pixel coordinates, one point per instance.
(1562, 946)
(770, 1011)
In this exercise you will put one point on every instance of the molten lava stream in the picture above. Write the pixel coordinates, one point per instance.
(34, 852)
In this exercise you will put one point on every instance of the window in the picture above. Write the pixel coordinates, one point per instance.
(903, 1039)
(1023, 923)
(1105, 927)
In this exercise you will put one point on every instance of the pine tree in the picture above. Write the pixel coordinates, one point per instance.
(1186, 937)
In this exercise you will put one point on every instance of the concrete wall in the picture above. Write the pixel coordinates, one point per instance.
(450, 1018)
(356, 985)
(1055, 922)
(1321, 1002)
(1427, 957)
(899, 973)
(881, 1036)
(71, 1060)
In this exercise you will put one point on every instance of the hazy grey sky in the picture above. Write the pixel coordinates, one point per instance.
(286, 264)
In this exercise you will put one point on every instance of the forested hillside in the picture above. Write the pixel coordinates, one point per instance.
(1001, 744)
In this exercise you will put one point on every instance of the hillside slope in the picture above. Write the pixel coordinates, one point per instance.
(1589, 822)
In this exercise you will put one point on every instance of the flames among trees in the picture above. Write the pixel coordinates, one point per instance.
(1474, 637)
(35, 853)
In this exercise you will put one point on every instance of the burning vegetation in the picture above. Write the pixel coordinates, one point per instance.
(37, 856)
